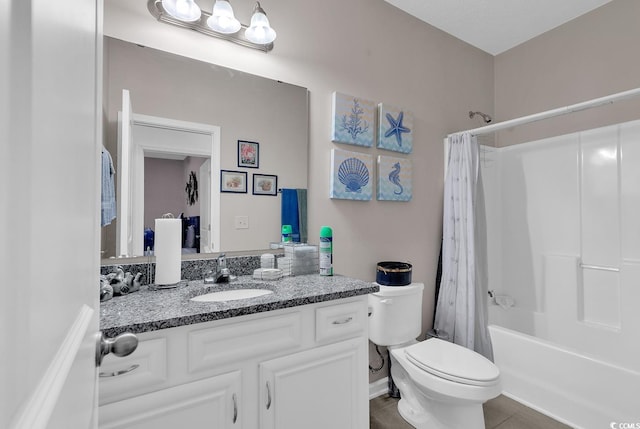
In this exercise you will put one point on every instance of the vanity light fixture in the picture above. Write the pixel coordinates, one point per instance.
(222, 19)
(183, 10)
(221, 23)
(260, 31)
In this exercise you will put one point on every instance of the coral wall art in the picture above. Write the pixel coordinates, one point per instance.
(352, 120)
(351, 175)
(395, 128)
(394, 179)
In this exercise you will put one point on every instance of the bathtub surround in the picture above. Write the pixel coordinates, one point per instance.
(562, 225)
(461, 310)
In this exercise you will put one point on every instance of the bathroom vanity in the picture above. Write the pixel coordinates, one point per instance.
(293, 358)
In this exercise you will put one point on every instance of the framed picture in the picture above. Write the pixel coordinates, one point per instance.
(233, 181)
(248, 154)
(265, 184)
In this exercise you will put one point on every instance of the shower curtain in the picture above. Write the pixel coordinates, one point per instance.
(461, 310)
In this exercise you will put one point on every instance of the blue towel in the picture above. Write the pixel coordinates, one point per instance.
(289, 212)
(108, 209)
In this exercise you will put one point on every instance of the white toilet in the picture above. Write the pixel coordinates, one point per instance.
(442, 385)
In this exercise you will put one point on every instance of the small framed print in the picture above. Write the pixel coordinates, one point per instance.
(265, 184)
(248, 154)
(233, 181)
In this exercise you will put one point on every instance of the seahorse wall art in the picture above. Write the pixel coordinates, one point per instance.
(353, 120)
(395, 128)
(394, 179)
(351, 175)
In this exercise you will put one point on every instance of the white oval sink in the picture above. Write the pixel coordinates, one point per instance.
(230, 295)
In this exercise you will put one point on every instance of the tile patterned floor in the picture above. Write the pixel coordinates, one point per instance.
(499, 413)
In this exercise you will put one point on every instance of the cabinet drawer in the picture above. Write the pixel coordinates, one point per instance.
(125, 377)
(335, 322)
(212, 347)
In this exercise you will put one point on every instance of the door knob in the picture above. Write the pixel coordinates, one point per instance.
(122, 345)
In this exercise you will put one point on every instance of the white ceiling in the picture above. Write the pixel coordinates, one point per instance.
(496, 25)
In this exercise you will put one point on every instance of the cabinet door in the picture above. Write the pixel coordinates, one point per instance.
(321, 388)
(209, 403)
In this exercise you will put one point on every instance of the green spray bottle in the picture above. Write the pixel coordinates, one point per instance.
(326, 251)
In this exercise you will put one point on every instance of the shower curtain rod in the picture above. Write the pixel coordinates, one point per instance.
(609, 99)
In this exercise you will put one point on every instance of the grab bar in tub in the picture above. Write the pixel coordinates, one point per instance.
(599, 267)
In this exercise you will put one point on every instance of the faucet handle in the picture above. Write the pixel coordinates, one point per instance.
(222, 262)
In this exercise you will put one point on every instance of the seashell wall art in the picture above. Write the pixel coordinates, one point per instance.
(351, 175)
(394, 179)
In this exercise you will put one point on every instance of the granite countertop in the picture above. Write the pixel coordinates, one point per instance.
(151, 310)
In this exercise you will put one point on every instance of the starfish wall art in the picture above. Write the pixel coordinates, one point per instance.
(395, 129)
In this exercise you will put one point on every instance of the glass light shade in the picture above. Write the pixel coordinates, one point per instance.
(260, 31)
(222, 19)
(183, 10)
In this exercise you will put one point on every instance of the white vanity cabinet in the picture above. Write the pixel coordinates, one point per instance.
(300, 367)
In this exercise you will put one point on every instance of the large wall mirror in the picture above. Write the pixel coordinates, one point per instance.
(234, 107)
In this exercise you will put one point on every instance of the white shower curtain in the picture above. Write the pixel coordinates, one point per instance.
(461, 309)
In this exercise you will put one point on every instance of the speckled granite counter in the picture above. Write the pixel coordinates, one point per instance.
(150, 310)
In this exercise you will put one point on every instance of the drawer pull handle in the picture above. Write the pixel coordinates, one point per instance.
(235, 408)
(343, 321)
(117, 373)
(268, 396)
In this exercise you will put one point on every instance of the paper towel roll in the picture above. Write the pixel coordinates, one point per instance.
(168, 240)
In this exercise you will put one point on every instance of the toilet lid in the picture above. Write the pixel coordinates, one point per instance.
(453, 362)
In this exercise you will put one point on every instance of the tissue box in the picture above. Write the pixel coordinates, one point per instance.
(299, 259)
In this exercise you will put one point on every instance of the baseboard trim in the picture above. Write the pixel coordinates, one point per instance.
(378, 388)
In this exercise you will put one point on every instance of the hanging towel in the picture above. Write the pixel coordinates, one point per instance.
(108, 206)
(302, 214)
(294, 212)
(289, 212)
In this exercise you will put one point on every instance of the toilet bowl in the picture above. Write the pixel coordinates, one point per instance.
(442, 385)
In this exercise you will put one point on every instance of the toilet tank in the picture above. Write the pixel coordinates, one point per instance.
(396, 314)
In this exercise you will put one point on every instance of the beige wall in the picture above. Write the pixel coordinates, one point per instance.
(369, 49)
(592, 56)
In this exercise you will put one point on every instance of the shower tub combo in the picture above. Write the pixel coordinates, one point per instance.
(563, 228)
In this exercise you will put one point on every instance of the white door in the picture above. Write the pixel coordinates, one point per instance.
(50, 81)
(205, 207)
(124, 227)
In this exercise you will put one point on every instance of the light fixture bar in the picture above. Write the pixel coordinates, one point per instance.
(158, 12)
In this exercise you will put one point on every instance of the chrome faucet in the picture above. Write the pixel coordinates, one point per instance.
(222, 274)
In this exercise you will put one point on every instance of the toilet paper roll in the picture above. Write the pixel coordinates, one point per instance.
(168, 238)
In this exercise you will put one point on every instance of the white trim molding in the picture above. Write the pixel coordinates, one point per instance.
(378, 388)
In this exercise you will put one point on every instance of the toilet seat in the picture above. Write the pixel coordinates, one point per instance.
(453, 362)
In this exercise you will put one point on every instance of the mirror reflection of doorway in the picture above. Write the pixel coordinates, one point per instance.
(144, 137)
(174, 186)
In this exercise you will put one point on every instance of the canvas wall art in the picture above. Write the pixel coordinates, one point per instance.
(394, 179)
(395, 128)
(353, 120)
(351, 175)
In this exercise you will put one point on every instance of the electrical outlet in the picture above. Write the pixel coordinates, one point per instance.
(242, 222)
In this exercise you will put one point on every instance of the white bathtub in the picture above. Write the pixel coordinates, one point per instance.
(577, 390)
